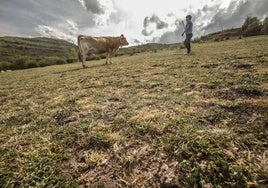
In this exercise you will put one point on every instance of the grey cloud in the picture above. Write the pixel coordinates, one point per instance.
(119, 15)
(146, 21)
(147, 33)
(136, 41)
(206, 8)
(70, 28)
(63, 18)
(170, 37)
(47, 31)
(23, 16)
(171, 14)
(93, 6)
(235, 14)
(66, 31)
(154, 19)
(104, 12)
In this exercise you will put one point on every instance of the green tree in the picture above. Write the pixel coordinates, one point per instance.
(73, 56)
(4, 65)
(20, 62)
(251, 27)
(265, 26)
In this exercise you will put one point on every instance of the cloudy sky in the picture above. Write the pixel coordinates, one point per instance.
(141, 21)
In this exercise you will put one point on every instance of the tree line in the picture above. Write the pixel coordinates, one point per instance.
(253, 26)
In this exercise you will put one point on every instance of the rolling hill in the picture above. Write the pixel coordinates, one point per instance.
(235, 33)
(33, 47)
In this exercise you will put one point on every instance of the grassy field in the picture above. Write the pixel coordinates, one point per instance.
(148, 120)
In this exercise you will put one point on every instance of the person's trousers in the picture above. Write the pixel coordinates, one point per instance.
(187, 42)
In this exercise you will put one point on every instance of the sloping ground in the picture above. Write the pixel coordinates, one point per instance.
(226, 33)
(11, 47)
(148, 120)
(235, 33)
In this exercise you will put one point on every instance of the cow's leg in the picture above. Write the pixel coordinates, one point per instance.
(107, 58)
(111, 58)
(84, 61)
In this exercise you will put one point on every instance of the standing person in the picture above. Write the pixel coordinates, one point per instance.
(189, 33)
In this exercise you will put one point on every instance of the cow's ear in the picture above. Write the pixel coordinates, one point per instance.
(122, 36)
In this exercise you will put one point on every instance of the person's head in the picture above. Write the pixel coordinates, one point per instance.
(189, 17)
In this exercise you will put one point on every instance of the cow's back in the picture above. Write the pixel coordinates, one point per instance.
(95, 45)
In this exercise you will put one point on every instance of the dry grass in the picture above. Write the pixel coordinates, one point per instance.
(148, 120)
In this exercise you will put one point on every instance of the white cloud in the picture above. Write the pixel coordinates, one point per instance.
(102, 10)
(72, 27)
(108, 8)
(66, 31)
(83, 3)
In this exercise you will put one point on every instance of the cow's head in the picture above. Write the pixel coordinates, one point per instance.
(123, 40)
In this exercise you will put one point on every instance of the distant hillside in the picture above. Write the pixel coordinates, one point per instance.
(150, 47)
(17, 52)
(221, 35)
(16, 46)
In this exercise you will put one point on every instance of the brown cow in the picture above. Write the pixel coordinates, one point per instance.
(98, 45)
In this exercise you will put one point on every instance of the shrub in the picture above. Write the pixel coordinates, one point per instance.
(31, 64)
(73, 56)
(60, 62)
(102, 56)
(4, 65)
(251, 27)
(20, 62)
(265, 26)
(53, 60)
(70, 60)
(95, 57)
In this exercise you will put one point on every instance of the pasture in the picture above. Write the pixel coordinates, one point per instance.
(153, 119)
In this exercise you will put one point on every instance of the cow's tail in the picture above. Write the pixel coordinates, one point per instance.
(79, 48)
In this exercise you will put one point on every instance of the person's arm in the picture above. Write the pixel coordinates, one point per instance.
(184, 27)
(187, 27)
